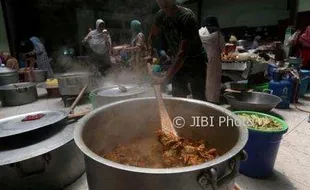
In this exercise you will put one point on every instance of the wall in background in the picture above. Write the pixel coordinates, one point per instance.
(4, 46)
(249, 13)
(303, 5)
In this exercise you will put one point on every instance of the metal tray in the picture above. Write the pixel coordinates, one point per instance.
(14, 125)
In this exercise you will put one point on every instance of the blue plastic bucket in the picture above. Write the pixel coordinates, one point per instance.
(262, 149)
(305, 73)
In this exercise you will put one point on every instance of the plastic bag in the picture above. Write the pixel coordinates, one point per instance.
(293, 39)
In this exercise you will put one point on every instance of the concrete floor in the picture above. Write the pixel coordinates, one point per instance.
(292, 168)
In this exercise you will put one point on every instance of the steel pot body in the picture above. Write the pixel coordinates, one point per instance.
(8, 76)
(39, 76)
(52, 170)
(72, 83)
(18, 94)
(106, 95)
(117, 123)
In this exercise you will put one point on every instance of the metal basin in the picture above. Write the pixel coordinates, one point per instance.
(117, 123)
(252, 101)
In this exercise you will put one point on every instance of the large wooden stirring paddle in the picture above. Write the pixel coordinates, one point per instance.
(166, 124)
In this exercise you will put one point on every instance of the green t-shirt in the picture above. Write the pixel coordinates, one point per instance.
(183, 26)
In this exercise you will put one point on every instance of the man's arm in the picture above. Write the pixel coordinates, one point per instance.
(177, 65)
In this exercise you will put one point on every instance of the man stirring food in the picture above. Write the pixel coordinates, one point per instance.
(180, 29)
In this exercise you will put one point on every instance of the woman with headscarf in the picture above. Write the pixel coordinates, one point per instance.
(214, 43)
(137, 46)
(99, 42)
(42, 60)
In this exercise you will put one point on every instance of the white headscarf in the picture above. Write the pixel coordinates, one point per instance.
(98, 22)
(98, 39)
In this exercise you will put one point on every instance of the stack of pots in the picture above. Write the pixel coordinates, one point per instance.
(13, 93)
(39, 154)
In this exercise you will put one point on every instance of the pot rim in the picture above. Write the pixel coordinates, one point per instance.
(140, 90)
(253, 104)
(26, 85)
(243, 137)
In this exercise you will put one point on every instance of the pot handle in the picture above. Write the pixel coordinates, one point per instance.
(23, 174)
(210, 177)
(21, 90)
(71, 81)
(268, 91)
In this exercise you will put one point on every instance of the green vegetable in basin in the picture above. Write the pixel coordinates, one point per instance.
(261, 123)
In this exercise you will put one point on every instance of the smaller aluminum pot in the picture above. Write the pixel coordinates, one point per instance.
(18, 94)
(39, 76)
(106, 95)
(8, 76)
(72, 83)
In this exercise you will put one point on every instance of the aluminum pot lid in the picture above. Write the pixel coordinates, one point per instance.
(5, 70)
(15, 125)
(15, 86)
(114, 91)
(75, 74)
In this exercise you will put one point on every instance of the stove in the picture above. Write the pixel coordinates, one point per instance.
(69, 99)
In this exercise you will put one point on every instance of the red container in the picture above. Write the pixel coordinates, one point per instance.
(230, 48)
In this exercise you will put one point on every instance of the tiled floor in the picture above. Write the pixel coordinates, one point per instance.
(292, 168)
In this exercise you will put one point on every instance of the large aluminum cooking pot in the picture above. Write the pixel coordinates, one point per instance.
(72, 83)
(118, 123)
(8, 76)
(106, 95)
(18, 94)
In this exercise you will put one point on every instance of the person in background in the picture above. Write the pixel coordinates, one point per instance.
(41, 57)
(233, 40)
(304, 43)
(180, 29)
(213, 41)
(137, 46)
(99, 42)
(255, 43)
(12, 63)
(9, 61)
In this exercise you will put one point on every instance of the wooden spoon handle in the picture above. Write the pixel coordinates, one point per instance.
(76, 101)
(166, 123)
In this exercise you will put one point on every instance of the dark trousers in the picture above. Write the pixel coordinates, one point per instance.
(102, 62)
(193, 72)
